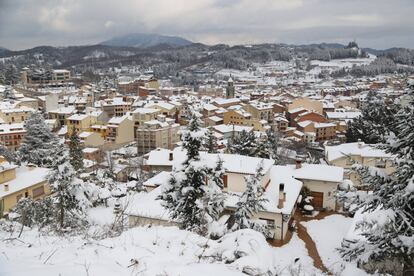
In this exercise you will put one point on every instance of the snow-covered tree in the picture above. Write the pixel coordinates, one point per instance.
(375, 123)
(210, 142)
(250, 203)
(187, 196)
(388, 222)
(214, 197)
(272, 145)
(75, 152)
(243, 143)
(8, 93)
(39, 144)
(7, 154)
(66, 190)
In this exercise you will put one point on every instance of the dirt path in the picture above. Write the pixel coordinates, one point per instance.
(311, 247)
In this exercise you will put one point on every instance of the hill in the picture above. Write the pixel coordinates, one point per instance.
(141, 40)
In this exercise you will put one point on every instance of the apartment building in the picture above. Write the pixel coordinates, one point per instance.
(11, 135)
(62, 114)
(142, 115)
(115, 107)
(79, 122)
(159, 133)
(16, 115)
(260, 111)
(120, 130)
(236, 117)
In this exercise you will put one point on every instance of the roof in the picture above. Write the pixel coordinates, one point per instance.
(319, 172)
(357, 148)
(231, 162)
(229, 128)
(146, 205)
(25, 177)
(12, 128)
(78, 117)
(144, 110)
(158, 179)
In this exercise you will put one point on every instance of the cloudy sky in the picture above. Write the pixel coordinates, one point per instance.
(372, 23)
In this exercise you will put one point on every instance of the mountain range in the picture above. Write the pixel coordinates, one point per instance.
(142, 40)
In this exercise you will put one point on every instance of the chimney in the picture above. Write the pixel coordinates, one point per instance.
(360, 143)
(171, 156)
(6, 187)
(282, 196)
(298, 163)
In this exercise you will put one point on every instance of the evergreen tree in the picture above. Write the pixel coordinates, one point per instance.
(75, 153)
(183, 196)
(375, 123)
(388, 227)
(8, 93)
(214, 197)
(194, 193)
(39, 144)
(272, 144)
(262, 150)
(11, 75)
(210, 142)
(244, 143)
(9, 155)
(251, 202)
(65, 188)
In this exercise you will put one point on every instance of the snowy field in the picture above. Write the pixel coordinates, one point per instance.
(170, 251)
(327, 235)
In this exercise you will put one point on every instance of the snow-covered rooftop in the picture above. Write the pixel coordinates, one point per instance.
(357, 148)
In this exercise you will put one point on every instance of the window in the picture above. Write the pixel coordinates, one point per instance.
(38, 191)
(18, 197)
(225, 181)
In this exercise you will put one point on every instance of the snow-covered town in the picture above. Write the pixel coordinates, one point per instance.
(150, 154)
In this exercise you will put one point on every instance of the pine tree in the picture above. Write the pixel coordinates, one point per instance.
(375, 123)
(210, 142)
(194, 192)
(10, 156)
(65, 189)
(214, 197)
(272, 144)
(184, 194)
(251, 202)
(388, 228)
(8, 93)
(75, 153)
(39, 144)
(244, 143)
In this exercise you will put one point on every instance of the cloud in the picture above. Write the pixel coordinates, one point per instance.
(374, 23)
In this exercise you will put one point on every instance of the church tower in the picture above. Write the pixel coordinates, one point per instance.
(230, 88)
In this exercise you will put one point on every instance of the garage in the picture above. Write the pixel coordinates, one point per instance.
(317, 200)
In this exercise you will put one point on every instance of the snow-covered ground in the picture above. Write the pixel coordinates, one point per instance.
(170, 251)
(151, 251)
(327, 235)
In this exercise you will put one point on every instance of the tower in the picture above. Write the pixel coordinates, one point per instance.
(230, 88)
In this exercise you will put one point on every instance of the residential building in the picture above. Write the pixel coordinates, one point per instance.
(358, 153)
(16, 115)
(20, 182)
(79, 122)
(11, 135)
(142, 115)
(62, 114)
(120, 130)
(260, 111)
(159, 133)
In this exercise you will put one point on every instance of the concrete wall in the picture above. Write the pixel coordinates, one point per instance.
(327, 188)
